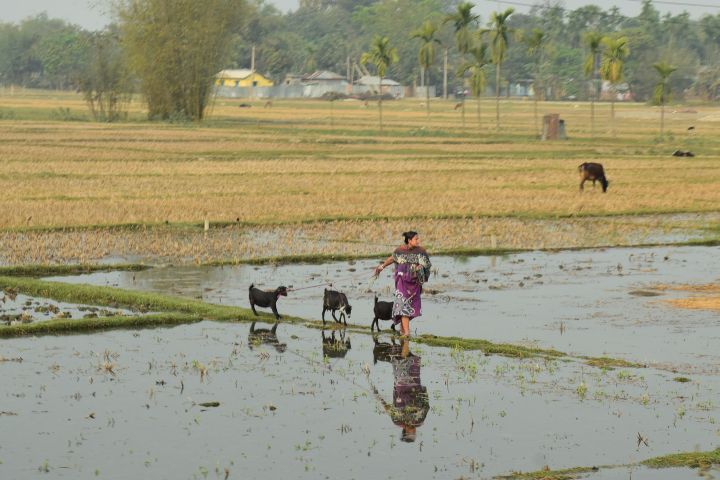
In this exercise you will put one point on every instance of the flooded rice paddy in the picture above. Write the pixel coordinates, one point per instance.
(591, 302)
(233, 400)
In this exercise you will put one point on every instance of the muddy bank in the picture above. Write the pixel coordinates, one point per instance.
(235, 243)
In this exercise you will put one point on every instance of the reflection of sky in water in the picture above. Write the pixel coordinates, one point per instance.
(297, 415)
(577, 302)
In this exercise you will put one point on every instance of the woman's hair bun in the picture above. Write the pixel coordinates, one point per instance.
(409, 236)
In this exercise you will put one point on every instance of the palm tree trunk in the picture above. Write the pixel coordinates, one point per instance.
(427, 95)
(662, 118)
(612, 110)
(380, 104)
(478, 113)
(497, 97)
(537, 125)
(537, 98)
(592, 115)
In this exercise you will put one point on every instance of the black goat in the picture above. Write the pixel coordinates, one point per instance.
(335, 301)
(382, 311)
(266, 299)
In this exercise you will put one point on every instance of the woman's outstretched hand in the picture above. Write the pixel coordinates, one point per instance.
(379, 269)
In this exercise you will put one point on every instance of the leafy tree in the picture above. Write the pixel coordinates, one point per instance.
(20, 52)
(176, 48)
(62, 55)
(105, 81)
(427, 53)
(584, 20)
(382, 55)
(662, 90)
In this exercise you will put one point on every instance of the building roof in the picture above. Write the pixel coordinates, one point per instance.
(240, 73)
(323, 75)
(374, 80)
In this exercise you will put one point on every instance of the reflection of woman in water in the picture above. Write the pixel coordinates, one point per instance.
(410, 399)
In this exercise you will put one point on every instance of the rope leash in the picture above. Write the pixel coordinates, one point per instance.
(331, 283)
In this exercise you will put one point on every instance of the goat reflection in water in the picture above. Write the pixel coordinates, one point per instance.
(265, 336)
(410, 403)
(335, 347)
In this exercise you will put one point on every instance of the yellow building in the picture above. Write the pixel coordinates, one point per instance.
(241, 78)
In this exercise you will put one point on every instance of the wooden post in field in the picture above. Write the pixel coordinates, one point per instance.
(207, 225)
(493, 242)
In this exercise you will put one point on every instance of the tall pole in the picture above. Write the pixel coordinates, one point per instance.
(252, 74)
(445, 92)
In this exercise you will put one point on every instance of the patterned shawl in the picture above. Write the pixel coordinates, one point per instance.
(415, 259)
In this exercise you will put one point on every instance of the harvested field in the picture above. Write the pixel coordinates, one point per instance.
(286, 164)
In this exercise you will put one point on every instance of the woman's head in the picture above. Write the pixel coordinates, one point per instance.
(412, 239)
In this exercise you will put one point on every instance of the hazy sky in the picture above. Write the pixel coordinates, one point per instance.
(93, 13)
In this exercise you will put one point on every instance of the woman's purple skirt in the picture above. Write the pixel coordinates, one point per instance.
(408, 291)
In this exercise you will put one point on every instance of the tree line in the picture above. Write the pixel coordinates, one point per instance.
(170, 50)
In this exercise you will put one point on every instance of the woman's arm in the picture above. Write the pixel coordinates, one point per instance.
(381, 267)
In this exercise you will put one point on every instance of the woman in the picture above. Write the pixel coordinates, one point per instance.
(412, 269)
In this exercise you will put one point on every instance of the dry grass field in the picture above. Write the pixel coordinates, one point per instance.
(313, 162)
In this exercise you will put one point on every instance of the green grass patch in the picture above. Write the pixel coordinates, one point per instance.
(608, 363)
(675, 460)
(488, 348)
(60, 327)
(567, 474)
(689, 460)
(115, 297)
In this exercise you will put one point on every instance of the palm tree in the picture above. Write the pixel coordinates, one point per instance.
(476, 67)
(382, 55)
(427, 53)
(593, 42)
(662, 90)
(612, 66)
(499, 37)
(535, 42)
(462, 19)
